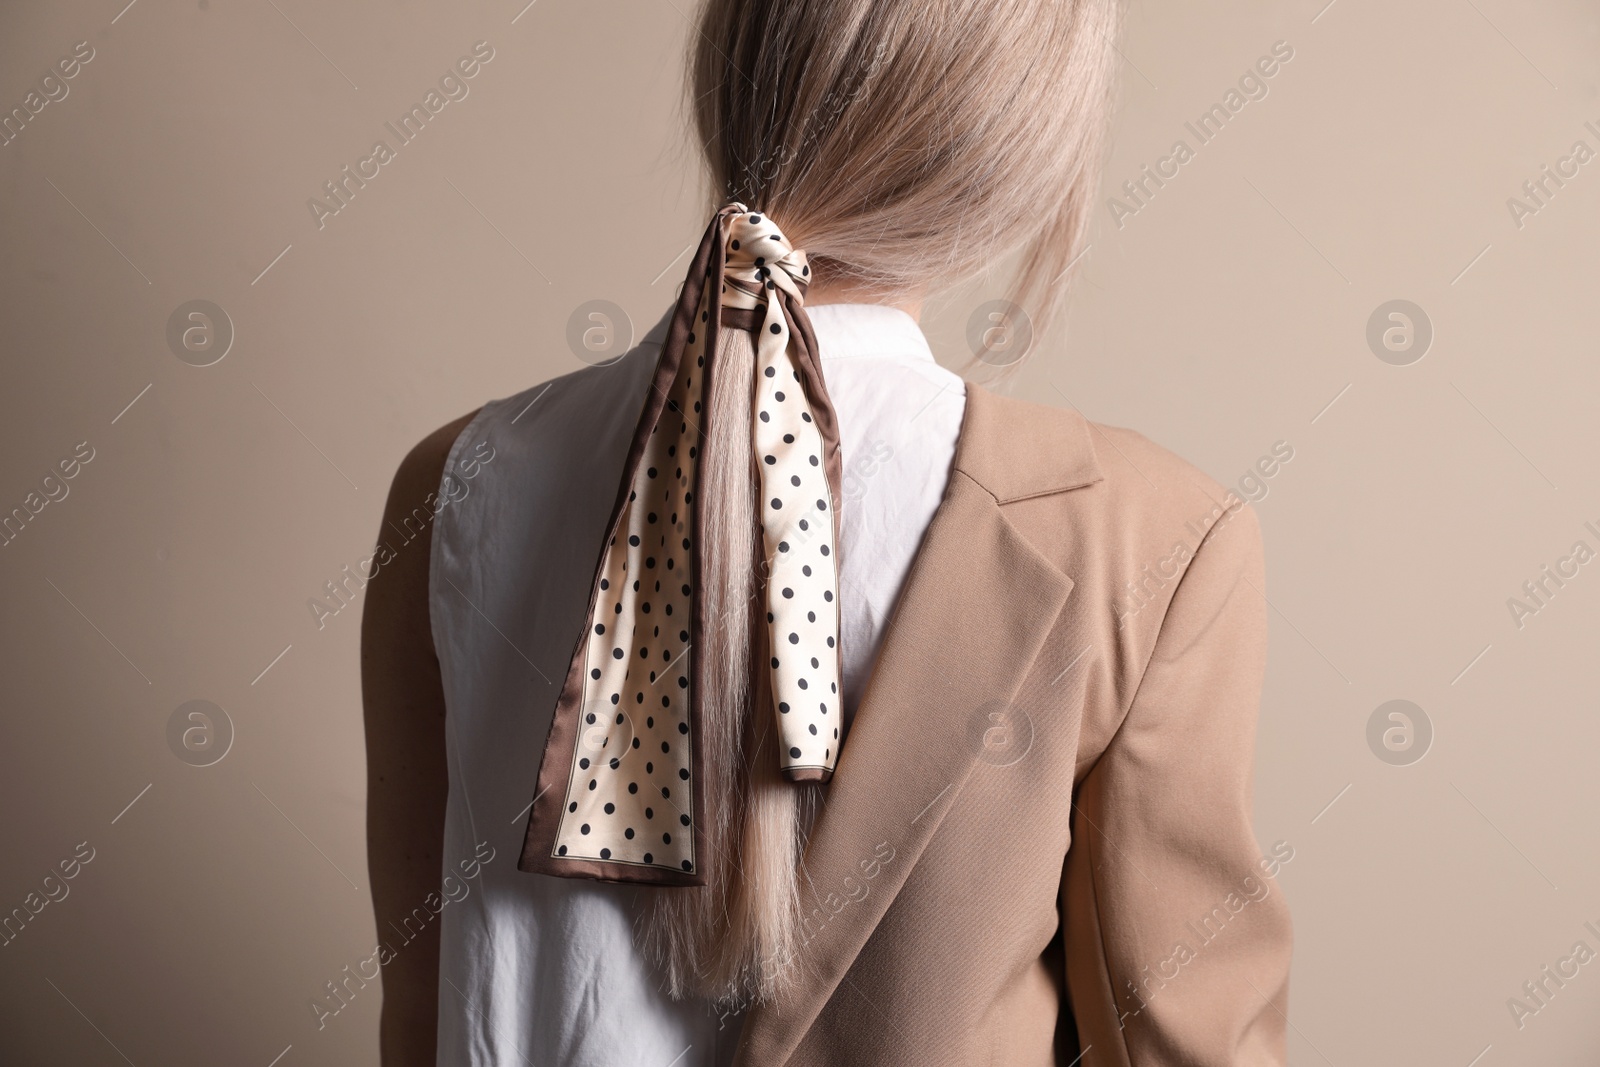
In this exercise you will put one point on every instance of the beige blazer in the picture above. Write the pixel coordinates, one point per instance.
(1042, 812)
(1041, 815)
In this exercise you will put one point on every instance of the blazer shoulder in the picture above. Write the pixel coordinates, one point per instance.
(1150, 484)
(1114, 481)
(1129, 529)
(1148, 468)
(1150, 532)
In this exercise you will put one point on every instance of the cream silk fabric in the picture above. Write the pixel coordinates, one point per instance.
(619, 793)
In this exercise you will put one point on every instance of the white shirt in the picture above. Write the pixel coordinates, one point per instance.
(543, 971)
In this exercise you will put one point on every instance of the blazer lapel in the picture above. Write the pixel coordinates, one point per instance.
(970, 621)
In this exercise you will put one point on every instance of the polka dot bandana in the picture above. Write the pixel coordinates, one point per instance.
(619, 793)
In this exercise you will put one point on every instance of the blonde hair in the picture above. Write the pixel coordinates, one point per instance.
(904, 145)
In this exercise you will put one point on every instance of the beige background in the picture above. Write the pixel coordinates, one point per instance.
(1226, 315)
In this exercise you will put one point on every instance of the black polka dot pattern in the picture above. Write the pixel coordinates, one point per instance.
(796, 517)
(630, 788)
(638, 656)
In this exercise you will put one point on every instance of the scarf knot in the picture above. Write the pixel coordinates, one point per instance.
(757, 258)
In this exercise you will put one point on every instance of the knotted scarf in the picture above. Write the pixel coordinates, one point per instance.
(619, 791)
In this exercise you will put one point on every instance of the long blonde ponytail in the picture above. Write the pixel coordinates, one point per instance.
(904, 145)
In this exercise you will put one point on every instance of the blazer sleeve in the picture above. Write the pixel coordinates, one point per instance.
(1177, 935)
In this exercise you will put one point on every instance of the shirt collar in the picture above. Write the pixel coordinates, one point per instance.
(845, 331)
